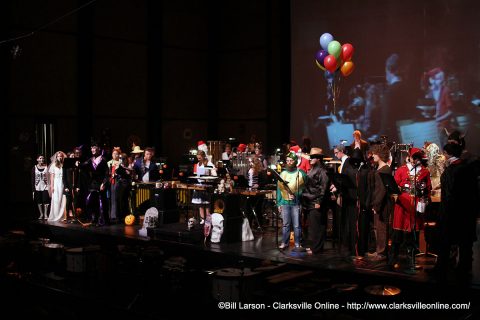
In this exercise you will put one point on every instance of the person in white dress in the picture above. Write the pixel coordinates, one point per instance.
(56, 171)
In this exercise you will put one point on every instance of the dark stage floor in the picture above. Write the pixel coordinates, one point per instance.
(119, 272)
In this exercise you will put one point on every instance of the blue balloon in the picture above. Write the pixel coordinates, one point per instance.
(320, 56)
(325, 39)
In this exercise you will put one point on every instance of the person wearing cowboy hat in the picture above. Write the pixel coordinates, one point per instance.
(137, 152)
(314, 201)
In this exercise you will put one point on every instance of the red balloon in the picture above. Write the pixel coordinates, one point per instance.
(330, 63)
(347, 68)
(347, 52)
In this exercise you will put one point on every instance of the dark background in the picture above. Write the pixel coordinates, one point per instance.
(170, 73)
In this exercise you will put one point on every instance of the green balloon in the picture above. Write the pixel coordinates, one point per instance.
(335, 48)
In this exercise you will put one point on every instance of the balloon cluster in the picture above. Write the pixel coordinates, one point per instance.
(334, 56)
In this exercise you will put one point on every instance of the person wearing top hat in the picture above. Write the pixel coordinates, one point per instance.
(413, 179)
(356, 204)
(314, 200)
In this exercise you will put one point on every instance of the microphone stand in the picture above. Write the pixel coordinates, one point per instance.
(75, 217)
(413, 266)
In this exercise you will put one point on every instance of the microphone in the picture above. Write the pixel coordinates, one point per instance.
(360, 166)
(417, 163)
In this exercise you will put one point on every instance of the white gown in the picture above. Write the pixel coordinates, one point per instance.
(59, 200)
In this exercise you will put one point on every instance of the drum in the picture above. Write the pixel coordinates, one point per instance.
(233, 284)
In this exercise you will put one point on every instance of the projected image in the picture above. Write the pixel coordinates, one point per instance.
(416, 75)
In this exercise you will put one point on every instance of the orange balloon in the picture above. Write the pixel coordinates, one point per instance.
(347, 68)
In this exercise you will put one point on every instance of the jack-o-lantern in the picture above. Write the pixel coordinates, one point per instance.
(130, 219)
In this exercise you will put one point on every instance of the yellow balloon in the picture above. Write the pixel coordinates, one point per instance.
(319, 65)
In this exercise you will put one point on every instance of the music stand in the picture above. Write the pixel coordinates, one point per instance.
(71, 163)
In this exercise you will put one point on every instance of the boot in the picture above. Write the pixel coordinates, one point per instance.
(46, 213)
(41, 212)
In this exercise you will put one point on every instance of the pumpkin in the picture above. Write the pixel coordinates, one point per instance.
(130, 219)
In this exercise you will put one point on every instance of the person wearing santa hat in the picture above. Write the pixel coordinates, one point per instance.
(413, 179)
(242, 147)
(303, 161)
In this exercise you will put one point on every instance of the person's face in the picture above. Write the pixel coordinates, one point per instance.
(376, 158)
(148, 155)
(258, 151)
(290, 162)
(115, 155)
(199, 158)
(41, 160)
(314, 161)
(95, 150)
(338, 154)
(60, 156)
(228, 149)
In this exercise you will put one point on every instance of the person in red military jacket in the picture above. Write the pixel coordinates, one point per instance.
(413, 179)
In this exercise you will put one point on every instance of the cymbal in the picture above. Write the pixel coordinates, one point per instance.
(382, 290)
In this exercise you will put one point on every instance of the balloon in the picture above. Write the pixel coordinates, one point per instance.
(319, 65)
(330, 63)
(347, 52)
(347, 68)
(335, 48)
(325, 39)
(320, 56)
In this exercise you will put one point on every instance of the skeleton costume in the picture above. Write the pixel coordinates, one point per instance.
(40, 187)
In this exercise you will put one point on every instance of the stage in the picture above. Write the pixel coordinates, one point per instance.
(121, 272)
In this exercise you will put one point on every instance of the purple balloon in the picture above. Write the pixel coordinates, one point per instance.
(320, 56)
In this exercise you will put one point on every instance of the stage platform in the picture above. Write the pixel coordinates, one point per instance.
(174, 266)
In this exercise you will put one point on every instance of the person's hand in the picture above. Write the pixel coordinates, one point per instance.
(33, 195)
(279, 209)
(291, 197)
(317, 206)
